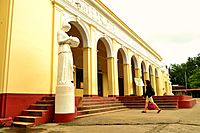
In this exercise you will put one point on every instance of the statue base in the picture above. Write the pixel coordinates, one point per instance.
(63, 118)
(65, 103)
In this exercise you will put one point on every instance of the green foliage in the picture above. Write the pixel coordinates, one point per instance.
(194, 79)
(177, 74)
(186, 72)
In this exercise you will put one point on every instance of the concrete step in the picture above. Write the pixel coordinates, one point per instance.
(48, 98)
(31, 119)
(99, 113)
(160, 106)
(41, 106)
(90, 111)
(99, 102)
(143, 98)
(155, 100)
(46, 102)
(23, 124)
(166, 103)
(34, 112)
(102, 98)
(40, 112)
(99, 106)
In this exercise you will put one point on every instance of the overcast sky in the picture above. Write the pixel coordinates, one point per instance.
(171, 27)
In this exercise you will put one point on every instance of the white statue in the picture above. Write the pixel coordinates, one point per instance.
(65, 58)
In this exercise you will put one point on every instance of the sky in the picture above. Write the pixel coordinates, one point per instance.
(170, 27)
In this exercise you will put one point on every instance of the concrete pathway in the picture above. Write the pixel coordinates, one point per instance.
(129, 121)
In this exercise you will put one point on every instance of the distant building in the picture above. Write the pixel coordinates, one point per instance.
(181, 90)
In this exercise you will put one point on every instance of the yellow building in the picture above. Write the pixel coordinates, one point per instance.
(108, 61)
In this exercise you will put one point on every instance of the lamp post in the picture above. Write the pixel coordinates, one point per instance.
(186, 76)
(185, 79)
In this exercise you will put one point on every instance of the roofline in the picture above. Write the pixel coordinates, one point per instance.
(136, 37)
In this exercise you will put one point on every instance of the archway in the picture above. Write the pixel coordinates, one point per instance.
(157, 83)
(143, 69)
(120, 72)
(77, 52)
(152, 79)
(150, 73)
(102, 76)
(133, 67)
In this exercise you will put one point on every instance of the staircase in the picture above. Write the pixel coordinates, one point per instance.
(38, 113)
(96, 105)
(164, 102)
(43, 111)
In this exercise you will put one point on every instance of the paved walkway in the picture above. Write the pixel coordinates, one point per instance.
(129, 121)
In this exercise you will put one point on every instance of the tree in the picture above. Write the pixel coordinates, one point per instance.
(197, 59)
(180, 73)
(176, 74)
(190, 66)
(194, 80)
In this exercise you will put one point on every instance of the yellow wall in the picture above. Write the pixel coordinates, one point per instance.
(31, 43)
(4, 13)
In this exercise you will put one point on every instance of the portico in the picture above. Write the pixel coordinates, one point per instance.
(110, 55)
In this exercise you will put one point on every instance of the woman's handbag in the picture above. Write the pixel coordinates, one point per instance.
(151, 106)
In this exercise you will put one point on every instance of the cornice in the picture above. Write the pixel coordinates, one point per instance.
(106, 12)
(129, 30)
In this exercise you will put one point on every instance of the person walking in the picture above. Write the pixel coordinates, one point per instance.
(149, 93)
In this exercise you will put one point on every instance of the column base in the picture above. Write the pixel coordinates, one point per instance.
(112, 95)
(63, 118)
(91, 96)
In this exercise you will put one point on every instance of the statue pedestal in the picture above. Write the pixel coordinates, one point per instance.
(65, 103)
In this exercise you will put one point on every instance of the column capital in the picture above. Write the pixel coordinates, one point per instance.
(137, 68)
(87, 47)
(152, 74)
(126, 64)
(93, 26)
(110, 57)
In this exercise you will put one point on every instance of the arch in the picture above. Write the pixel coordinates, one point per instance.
(77, 53)
(159, 91)
(150, 70)
(151, 75)
(134, 65)
(124, 55)
(101, 68)
(143, 65)
(107, 44)
(156, 72)
(81, 27)
(134, 59)
(143, 70)
(82, 31)
(120, 69)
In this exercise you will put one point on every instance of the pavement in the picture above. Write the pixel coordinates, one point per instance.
(129, 121)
